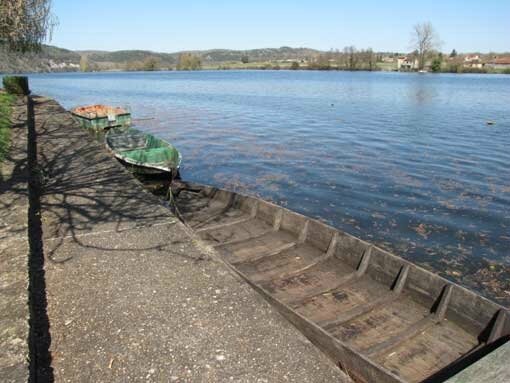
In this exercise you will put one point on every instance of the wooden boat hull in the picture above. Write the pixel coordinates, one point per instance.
(378, 316)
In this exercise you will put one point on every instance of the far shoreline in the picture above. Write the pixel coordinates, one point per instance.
(492, 73)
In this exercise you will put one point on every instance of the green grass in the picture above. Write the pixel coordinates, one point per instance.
(386, 66)
(5, 124)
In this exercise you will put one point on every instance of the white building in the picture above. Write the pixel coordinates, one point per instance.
(473, 61)
(405, 63)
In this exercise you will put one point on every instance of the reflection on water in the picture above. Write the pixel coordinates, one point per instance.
(406, 161)
(422, 92)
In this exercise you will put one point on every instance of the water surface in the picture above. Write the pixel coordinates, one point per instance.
(404, 160)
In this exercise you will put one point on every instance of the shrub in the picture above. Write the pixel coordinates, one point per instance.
(16, 85)
(436, 65)
(5, 124)
(454, 68)
(474, 70)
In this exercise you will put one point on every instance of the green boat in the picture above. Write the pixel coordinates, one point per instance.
(101, 117)
(143, 153)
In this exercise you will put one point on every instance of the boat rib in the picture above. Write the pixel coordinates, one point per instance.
(360, 310)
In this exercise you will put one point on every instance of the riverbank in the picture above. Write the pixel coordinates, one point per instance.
(14, 248)
(120, 290)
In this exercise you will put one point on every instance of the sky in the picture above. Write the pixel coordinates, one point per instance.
(170, 26)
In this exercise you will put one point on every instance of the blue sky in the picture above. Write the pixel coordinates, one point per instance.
(169, 26)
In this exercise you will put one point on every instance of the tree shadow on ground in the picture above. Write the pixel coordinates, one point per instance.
(85, 191)
(14, 178)
(76, 190)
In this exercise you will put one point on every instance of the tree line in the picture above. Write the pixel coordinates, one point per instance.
(349, 58)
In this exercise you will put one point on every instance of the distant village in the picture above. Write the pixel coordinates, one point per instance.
(352, 59)
(468, 62)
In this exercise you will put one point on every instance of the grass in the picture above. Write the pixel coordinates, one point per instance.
(5, 124)
(386, 66)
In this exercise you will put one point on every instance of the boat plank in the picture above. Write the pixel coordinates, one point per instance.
(317, 260)
(267, 270)
(379, 324)
(223, 224)
(322, 278)
(428, 351)
(254, 248)
(334, 305)
(200, 208)
(415, 328)
(215, 211)
(363, 309)
(273, 252)
(236, 236)
(358, 311)
(340, 281)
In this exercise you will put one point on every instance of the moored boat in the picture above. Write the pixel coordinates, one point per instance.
(143, 153)
(379, 317)
(100, 117)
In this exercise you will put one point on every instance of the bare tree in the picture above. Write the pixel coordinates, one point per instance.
(25, 24)
(424, 39)
(351, 53)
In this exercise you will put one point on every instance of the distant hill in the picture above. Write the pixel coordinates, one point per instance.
(57, 59)
(49, 59)
(126, 59)
(258, 55)
(212, 57)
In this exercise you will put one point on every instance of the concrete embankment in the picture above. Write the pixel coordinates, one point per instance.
(128, 294)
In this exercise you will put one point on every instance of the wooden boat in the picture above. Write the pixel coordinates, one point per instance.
(379, 317)
(143, 153)
(100, 117)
